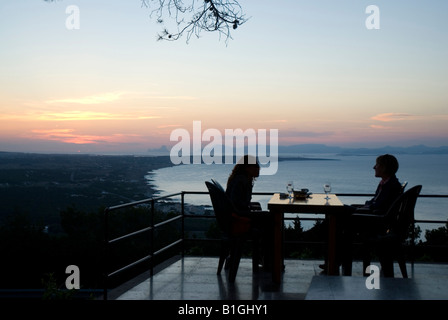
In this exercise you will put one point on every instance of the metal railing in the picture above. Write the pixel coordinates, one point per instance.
(154, 226)
(150, 229)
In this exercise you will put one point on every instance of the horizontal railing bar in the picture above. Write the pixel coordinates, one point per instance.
(304, 219)
(130, 204)
(354, 194)
(371, 195)
(167, 196)
(43, 290)
(134, 203)
(430, 221)
(433, 196)
(167, 221)
(206, 192)
(130, 265)
(168, 247)
(144, 258)
(194, 192)
(129, 235)
(337, 194)
(198, 216)
(263, 193)
(143, 230)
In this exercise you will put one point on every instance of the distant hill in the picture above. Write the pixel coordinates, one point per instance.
(321, 148)
(297, 150)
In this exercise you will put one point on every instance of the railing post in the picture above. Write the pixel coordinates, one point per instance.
(412, 246)
(183, 222)
(151, 246)
(105, 252)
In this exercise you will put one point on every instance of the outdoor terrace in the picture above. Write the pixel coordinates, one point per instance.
(183, 277)
(195, 278)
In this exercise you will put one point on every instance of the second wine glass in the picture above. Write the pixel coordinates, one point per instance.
(327, 189)
(290, 188)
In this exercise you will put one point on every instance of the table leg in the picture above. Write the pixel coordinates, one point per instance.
(332, 264)
(278, 249)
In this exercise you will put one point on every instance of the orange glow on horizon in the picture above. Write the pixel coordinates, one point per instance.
(70, 136)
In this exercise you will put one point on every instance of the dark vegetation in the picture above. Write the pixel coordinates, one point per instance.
(42, 185)
(51, 213)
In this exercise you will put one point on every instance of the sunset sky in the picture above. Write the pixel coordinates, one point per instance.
(311, 69)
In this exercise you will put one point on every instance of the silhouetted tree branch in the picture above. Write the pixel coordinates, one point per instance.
(196, 16)
(191, 17)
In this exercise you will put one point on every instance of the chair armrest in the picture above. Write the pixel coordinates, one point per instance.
(366, 217)
(368, 223)
(255, 206)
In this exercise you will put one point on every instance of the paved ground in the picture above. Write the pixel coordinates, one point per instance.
(194, 278)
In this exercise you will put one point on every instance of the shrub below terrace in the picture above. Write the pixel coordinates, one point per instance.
(29, 255)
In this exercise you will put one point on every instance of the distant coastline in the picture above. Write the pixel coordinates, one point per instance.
(321, 148)
(300, 149)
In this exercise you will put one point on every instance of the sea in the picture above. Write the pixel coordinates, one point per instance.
(346, 173)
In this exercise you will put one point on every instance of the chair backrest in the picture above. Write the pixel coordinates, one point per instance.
(221, 205)
(403, 186)
(401, 214)
(216, 183)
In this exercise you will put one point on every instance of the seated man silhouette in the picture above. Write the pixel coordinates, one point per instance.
(389, 188)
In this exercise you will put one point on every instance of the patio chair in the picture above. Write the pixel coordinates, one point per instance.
(391, 231)
(235, 231)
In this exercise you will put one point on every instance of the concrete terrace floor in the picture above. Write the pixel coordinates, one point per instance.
(195, 278)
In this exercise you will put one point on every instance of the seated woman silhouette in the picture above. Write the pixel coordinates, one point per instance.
(239, 189)
(240, 184)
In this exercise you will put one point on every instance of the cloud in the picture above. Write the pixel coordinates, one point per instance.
(109, 97)
(169, 126)
(74, 115)
(275, 121)
(388, 117)
(65, 135)
(376, 126)
(305, 134)
(90, 115)
(93, 99)
(175, 97)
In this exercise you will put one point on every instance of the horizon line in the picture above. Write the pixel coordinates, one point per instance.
(319, 148)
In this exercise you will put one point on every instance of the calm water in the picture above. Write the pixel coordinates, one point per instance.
(347, 174)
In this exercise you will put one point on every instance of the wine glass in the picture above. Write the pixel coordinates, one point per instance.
(290, 188)
(327, 189)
